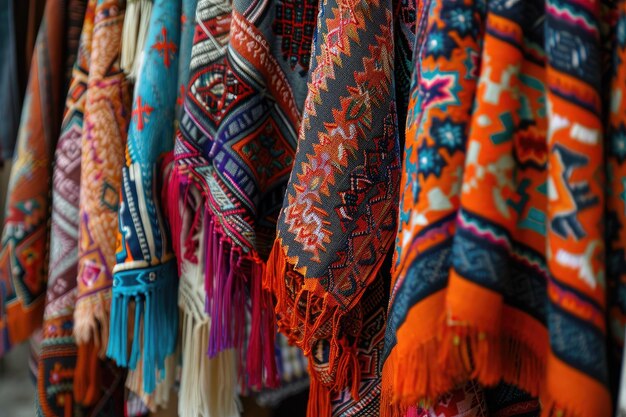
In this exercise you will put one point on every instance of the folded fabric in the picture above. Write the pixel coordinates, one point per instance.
(145, 281)
(236, 144)
(338, 218)
(500, 271)
(447, 63)
(57, 362)
(23, 255)
(107, 113)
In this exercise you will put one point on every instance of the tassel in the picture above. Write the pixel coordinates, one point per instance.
(319, 398)
(154, 292)
(134, 33)
(262, 344)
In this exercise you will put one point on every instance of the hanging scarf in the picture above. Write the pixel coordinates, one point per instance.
(234, 151)
(510, 284)
(23, 256)
(145, 274)
(67, 386)
(208, 387)
(338, 215)
(447, 62)
(107, 113)
(57, 363)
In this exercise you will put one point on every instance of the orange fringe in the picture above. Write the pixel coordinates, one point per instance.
(447, 353)
(87, 375)
(319, 398)
(276, 278)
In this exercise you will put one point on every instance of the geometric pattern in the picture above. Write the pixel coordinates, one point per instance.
(24, 242)
(235, 147)
(144, 272)
(106, 118)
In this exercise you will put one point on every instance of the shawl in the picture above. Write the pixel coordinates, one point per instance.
(447, 61)
(500, 267)
(23, 254)
(208, 387)
(145, 274)
(338, 218)
(106, 117)
(68, 386)
(233, 154)
(57, 362)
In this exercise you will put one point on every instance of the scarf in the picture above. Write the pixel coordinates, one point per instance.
(511, 275)
(233, 155)
(442, 95)
(23, 255)
(57, 362)
(145, 274)
(71, 380)
(106, 117)
(338, 216)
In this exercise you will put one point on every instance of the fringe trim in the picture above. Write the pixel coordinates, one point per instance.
(319, 399)
(229, 272)
(153, 292)
(279, 282)
(134, 34)
(208, 388)
(160, 397)
(456, 354)
(91, 320)
(87, 375)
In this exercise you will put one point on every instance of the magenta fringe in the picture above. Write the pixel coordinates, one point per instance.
(232, 277)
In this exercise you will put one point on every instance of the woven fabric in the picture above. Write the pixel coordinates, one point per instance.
(500, 267)
(106, 117)
(57, 362)
(338, 218)
(235, 147)
(23, 255)
(145, 274)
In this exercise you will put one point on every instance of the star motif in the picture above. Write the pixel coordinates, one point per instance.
(429, 161)
(141, 113)
(166, 48)
(448, 134)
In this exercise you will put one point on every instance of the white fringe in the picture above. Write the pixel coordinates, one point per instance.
(134, 35)
(208, 387)
(161, 395)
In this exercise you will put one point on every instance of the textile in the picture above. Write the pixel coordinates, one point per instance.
(499, 258)
(23, 255)
(20, 23)
(615, 204)
(11, 103)
(57, 363)
(234, 149)
(338, 218)
(145, 273)
(447, 61)
(106, 117)
(506, 400)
